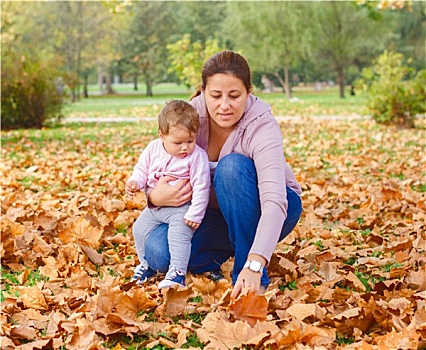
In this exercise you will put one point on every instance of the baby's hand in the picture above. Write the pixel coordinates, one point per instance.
(131, 188)
(192, 223)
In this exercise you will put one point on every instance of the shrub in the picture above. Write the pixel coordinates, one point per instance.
(30, 95)
(395, 93)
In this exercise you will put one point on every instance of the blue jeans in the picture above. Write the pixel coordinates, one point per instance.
(229, 231)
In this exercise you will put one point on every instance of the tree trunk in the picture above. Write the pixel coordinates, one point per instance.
(149, 88)
(85, 90)
(79, 45)
(100, 79)
(287, 82)
(135, 81)
(341, 81)
(284, 83)
(109, 89)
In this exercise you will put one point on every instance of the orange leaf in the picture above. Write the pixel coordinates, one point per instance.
(33, 297)
(250, 308)
(83, 232)
(131, 304)
(174, 302)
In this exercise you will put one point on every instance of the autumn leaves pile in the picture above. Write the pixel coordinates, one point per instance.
(351, 275)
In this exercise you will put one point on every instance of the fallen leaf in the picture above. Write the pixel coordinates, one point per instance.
(251, 308)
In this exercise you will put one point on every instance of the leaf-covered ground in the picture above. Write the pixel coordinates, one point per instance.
(352, 274)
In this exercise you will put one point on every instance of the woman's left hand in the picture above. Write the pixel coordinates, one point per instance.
(246, 279)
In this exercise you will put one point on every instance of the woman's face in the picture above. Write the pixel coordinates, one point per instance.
(226, 98)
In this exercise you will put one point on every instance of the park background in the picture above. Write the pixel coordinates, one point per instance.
(82, 83)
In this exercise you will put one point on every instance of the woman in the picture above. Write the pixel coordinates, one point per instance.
(254, 200)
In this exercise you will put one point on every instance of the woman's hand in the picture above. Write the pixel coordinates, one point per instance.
(248, 278)
(165, 195)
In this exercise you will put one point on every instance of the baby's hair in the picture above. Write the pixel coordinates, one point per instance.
(178, 113)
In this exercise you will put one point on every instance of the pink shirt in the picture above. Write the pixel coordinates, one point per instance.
(155, 162)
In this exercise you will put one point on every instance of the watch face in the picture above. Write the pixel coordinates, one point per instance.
(255, 266)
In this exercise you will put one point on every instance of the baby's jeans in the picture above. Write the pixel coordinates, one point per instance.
(178, 235)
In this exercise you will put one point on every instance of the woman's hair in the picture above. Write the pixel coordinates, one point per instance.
(178, 113)
(225, 62)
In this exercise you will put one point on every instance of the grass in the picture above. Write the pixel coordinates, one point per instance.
(129, 103)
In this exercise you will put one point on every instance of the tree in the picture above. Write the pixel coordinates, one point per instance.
(187, 58)
(341, 34)
(144, 43)
(396, 94)
(410, 28)
(30, 94)
(270, 35)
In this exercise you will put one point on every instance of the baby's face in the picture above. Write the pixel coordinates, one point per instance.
(179, 142)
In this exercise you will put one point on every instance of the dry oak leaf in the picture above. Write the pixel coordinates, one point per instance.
(281, 266)
(23, 332)
(416, 280)
(31, 318)
(79, 281)
(48, 223)
(107, 300)
(112, 205)
(218, 333)
(250, 308)
(93, 255)
(6, 343)
(133, 302)
(37, 344)
(55, 319)
(407, 339)
(33, 298)
(302, 311)
(298, 332)
(15, 228)
(9, 230)
(83, 232)
(83, 336)
(174, 301)
(49, 269)
(351, 277)
(212, 291)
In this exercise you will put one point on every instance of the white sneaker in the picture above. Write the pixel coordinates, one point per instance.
(173, 277)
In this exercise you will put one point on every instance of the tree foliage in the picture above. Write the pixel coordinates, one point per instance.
(338, 37)
(30, 94)
(31, 88)
(271, 35)
(187, 58)
(396, 93)
(145, 41)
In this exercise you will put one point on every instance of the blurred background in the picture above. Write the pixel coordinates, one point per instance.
(124, 58)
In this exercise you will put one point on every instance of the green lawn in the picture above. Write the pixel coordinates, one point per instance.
(128, 103)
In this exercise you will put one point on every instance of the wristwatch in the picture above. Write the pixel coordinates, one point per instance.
(254, 266)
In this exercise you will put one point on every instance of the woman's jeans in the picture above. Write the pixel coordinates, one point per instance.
(229, 231)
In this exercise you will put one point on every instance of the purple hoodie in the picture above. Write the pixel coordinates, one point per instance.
(258, 136)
